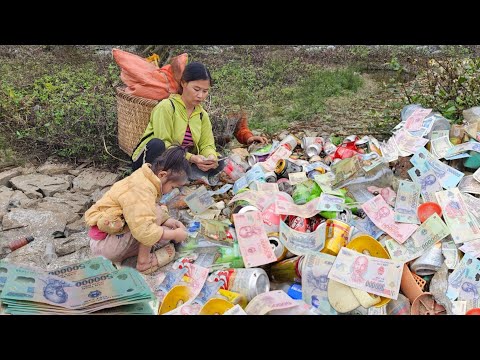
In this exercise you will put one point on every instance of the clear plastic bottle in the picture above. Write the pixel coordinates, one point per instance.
(380, 176)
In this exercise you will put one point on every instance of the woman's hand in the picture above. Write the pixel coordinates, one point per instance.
(204, 163)
(260, 139)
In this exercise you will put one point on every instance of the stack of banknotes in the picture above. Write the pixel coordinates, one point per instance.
(93, 286)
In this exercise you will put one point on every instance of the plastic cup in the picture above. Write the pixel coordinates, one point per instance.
(427, 209)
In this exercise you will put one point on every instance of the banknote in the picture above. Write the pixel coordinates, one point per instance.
(466, 271)
(469, 292)
(439, 133)
(316, 165)
(448, 176)
(381, 214)
(256, 198)
(461, 148)
(389, 150)
(469, 184)
(450, 253)
(428, 181)
(344, 169)
(408, 196)
(236, 310)
(307, 210)
(415, 120)
(264, 186)
(88, 268)
(407, 143)
(374, 275)
(330, 203)
(373, 162)
(473, 206)
(324, 181)
(252, 239)
(301, 243)
(199, 200)
(197, 276)
(472, 248)
(368, 227)
(256, 172)
(301, 308)
(220, 191)
(279, 153)
(440, 146)
(112, 289)
(429, 233)
(476, 175)
(266, 302)
(462, 226)
(297, 178)
(315, 271)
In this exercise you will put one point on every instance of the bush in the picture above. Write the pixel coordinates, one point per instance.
(448, 86)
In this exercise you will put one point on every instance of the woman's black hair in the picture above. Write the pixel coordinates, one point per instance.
(196, 71)
(172, 160)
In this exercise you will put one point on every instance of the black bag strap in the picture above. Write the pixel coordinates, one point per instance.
(173, 106)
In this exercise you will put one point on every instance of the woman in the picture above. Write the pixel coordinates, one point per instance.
(181, 120)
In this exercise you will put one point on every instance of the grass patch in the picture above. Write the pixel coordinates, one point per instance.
(277, 92)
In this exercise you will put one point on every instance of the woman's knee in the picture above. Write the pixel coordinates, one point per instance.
(156, 146)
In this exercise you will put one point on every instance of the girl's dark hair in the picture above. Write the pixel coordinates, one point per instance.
(196, 71)
(172, 160)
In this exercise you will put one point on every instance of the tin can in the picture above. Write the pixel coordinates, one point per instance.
(278, 248)
(247, 209)
(313, 149)
(328, 160)
(270, 177)
(314, 159)
(311, 174)
(298, 223)
(285, 167)
(285, 186)
(248, 282)
(329, 148)
(290, 142)
(314, 222)
(336, 236)
(288, 270)
(233, 297)
(241, 208)
(362, 144)
(350, 138)
(253, 159)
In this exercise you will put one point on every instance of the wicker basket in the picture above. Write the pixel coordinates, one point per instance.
(133, 116)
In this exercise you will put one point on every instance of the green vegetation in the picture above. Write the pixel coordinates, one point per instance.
(65, 108)
(60, 100)
(279, 91)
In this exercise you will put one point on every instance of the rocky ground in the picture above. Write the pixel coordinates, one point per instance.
(48, 202)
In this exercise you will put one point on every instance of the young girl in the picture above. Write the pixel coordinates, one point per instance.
(127, 221)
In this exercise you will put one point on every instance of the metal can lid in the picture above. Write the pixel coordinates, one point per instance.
(280, 166)
(262, 284)
(362, 141)
(252, 160)
(247, 208)
(313, 149)
(298, 266)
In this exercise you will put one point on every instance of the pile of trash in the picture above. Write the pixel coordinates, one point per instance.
(311, 226)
